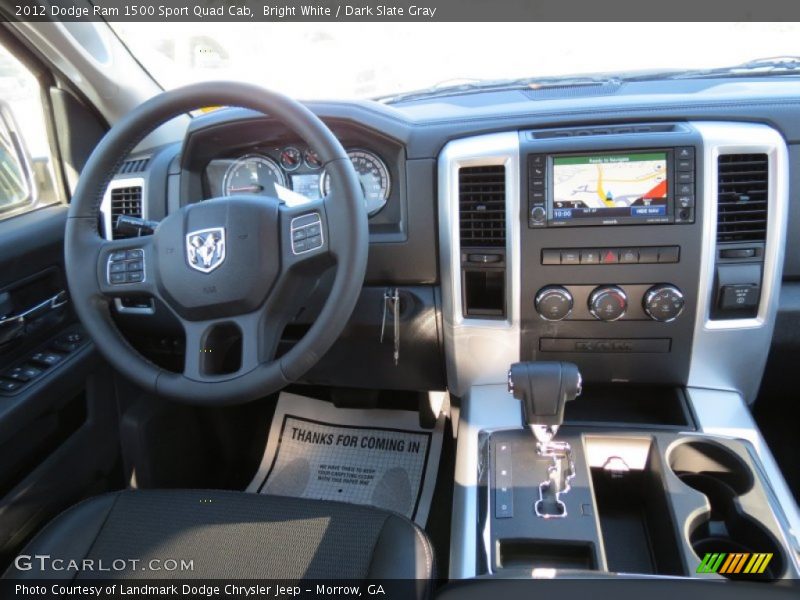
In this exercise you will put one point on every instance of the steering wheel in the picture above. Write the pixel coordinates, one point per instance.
(232, 270)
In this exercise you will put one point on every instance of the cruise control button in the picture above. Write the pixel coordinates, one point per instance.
(118, 255)
(117, 267)
(135, 265)
(135, 253)
(116, 278)
(134, 276)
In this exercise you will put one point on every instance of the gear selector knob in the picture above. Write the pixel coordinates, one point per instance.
(544, 388)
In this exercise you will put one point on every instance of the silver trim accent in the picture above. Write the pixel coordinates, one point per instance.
(478, 351)
(220, 248)
(607, 289)
(556, 451)
(660, 287)
(105, 205)
(717, 359)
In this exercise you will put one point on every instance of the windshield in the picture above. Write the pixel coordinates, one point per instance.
(350, 60)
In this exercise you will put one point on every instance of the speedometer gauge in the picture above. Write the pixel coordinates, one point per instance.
(374, 177)
(253, 174)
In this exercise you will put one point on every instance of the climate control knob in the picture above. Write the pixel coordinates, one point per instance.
(553, 302)
(663, 302)
(608, 303)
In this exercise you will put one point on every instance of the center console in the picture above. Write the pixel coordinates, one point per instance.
(648, 256)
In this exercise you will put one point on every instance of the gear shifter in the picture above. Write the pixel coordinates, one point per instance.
(544, 389)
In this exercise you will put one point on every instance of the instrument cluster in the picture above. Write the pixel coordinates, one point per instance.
(295, 168)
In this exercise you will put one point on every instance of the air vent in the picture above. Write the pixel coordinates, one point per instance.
(136, 165)
(742, 198)
(590, 88)
(547, 134)
(125, 201)
(482, 206)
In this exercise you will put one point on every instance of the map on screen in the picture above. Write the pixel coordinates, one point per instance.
(623, 184)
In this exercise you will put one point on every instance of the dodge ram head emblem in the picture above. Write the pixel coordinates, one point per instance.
(205, 248)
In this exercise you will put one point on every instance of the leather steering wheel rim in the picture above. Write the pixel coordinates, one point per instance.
(86, 252)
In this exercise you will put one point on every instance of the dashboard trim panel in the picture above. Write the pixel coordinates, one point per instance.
(478, 351)
(717, 360)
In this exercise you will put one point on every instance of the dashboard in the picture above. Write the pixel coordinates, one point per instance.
(274, 171)
(610, 231)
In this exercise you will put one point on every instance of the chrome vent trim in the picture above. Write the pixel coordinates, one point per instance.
(107, 210)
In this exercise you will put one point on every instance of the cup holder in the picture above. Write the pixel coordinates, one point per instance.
(721, 476)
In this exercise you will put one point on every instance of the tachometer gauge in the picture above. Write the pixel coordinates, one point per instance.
(253, 174)
(374, 177)
(312, 159)
(291, 158)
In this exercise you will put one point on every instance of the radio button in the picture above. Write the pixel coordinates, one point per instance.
(551, 257)
(685, 177)
(685, 189)
(685, 153)
(648, 255)
(685, 165)
(669, 254)
(570, 257)
(538, 214)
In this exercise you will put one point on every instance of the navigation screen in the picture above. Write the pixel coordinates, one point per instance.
(609, 186)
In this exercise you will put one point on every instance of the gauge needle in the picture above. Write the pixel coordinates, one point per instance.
(247, 188)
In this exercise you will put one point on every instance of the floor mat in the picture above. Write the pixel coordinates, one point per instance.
(382, 458)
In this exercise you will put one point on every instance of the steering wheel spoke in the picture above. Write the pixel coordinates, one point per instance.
(125, 268)
(224, 349)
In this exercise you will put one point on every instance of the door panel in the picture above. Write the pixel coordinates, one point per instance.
(58, 425)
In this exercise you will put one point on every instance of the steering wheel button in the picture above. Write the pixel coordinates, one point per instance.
(116, 278)
(314, 242)
(136, 253)
(300, 246)
(134, 276)
(118, 255)
(116, 267)
(313, 230)
(135, 265)
(299, 234)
